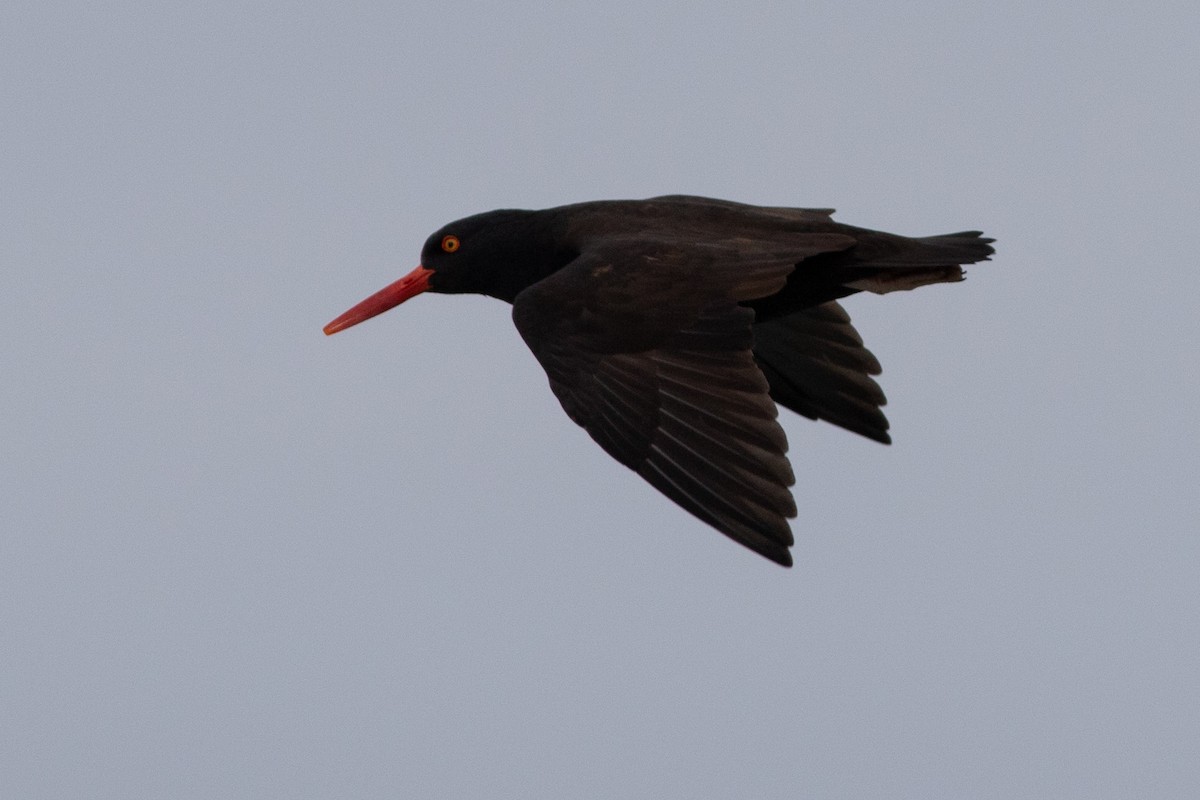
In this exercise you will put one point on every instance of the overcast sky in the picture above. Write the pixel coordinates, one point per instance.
(241, 560)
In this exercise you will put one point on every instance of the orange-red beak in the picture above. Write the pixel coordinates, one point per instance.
(391, 296)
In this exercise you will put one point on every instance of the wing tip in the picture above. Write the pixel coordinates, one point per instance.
(783, 558)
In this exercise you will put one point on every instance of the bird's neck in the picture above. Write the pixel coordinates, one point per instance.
(527, 248)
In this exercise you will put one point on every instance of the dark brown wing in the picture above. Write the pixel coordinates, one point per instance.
(647, 349)
(817, 366)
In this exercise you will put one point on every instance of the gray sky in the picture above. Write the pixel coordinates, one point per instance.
(240, 559)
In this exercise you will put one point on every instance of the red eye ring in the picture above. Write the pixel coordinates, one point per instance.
(450, 243)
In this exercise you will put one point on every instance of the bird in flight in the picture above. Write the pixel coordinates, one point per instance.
(671, 328)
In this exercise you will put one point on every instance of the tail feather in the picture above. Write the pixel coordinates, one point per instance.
(930, 259)
(906, 278)
(964, 247)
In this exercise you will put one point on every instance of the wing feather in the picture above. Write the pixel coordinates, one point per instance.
(683, 404)
(817, 366)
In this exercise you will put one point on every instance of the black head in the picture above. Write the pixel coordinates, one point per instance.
(499, 254)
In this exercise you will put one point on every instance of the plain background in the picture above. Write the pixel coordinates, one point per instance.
(241, 560)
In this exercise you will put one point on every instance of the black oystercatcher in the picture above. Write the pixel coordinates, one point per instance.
(671, 327)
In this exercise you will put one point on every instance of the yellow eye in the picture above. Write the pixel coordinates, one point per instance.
(450, 243)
